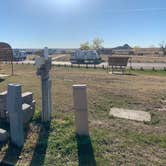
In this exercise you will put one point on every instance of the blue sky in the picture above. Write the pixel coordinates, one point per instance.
(67, 23)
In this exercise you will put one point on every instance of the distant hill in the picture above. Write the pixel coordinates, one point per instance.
(124, 47)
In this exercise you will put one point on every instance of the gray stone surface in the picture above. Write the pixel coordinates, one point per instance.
(27, 97)
(46, 101)
(28, 111)
(3, 96)
(3, 135)
(81, 109)
(43, 65)
(130, 114)
(14, 107)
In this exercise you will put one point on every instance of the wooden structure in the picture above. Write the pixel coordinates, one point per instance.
(118, 63)
(6, 54)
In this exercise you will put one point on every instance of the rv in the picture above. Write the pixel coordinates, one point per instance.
(85, 57)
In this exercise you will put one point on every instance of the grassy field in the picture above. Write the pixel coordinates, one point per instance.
(112, 141)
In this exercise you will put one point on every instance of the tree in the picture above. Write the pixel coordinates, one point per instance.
(85, 46)
(163, 47)
(136, 49)
(97, 43)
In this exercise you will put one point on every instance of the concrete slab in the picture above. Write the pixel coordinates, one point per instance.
(3, 135)
(130, 114)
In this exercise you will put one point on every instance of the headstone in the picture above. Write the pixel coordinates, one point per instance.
(130, 114)
(43, 65)
(14, 107)
(81, 109)
(46, 111)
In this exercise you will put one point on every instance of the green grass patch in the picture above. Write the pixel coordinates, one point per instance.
(150, 72)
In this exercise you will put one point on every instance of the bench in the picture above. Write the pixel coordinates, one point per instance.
(118, 63)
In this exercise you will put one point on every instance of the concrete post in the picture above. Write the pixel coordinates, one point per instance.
(46, 100)
(81, 109)
(14, 108)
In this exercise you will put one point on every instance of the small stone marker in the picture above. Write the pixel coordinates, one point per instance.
(81, 109)
(3, 135)
(14, 107)
(130, 114)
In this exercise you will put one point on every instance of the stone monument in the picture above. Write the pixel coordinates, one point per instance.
(81, 109)
(43, 65)
(14, 108)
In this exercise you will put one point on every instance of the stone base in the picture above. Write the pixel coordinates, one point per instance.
(3, 135)
(28, 112)
(130, 114)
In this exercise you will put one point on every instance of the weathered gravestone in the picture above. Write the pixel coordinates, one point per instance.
(136, 115)
(81, 109)
(43, 65)
(28, 106)
(14, 107)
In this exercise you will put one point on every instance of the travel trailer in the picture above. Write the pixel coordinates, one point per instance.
(85, 57)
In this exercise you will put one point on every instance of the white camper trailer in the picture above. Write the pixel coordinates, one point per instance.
(19, 55)
(85, 57)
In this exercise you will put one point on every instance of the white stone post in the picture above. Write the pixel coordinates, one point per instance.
(14, 108)
(81, 109)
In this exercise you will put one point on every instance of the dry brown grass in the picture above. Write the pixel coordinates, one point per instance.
(142, 59)
(115, 141)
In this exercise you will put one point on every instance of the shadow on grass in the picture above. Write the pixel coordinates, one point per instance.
(41, 145)
(85, 151)
(1, 80)
(12, 154)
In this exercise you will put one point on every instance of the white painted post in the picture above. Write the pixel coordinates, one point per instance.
(14, 108)
(81, 109)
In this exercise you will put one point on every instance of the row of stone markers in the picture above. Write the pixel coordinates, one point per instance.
(43, 65)
(16, 114)
(14, 103)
